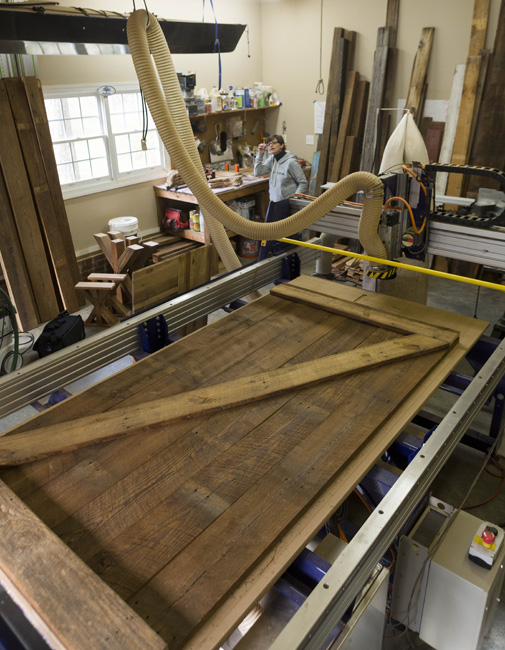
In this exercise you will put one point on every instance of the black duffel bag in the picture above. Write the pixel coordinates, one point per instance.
(60, 332)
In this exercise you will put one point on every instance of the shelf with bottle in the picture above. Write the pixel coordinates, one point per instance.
(231, 112)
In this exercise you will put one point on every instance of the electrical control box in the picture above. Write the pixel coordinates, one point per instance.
(461, 596)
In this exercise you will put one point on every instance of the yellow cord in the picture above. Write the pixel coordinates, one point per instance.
(399, 265)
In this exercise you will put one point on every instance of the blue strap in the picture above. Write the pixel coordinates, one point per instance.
(217, 44)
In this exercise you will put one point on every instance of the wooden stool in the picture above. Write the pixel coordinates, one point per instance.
(100, 291)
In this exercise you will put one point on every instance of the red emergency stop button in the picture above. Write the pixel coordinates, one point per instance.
(488, 538)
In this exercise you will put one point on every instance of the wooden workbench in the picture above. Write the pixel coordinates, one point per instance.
(184, 199)
(189, 524)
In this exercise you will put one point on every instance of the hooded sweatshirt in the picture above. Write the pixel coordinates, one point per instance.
(286, 175)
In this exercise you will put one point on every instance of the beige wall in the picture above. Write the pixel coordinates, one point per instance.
(290, 36)
(284, 52)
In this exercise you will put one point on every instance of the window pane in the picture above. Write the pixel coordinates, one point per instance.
(74, 128)
(153, 157)
(80, 150)
(97, 148)
(122, 144)
(89, 106)
(131, 102)
(132, 122)
(57, 130)
(66, 173)
(135, 142)
(91, 126)
(139, 160)
(99, 168)
(71, 107)
(124, 163)
(115, 103)
(152, 140)
(53, 109)
(117, 123)
(82, 171)
(62, 153)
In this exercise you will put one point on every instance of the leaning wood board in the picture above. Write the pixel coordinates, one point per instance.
(193, 522)
(52, 227)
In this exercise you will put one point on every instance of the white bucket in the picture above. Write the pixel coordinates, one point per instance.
(125, 225)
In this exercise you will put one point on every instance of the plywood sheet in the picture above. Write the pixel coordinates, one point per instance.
(176, 520)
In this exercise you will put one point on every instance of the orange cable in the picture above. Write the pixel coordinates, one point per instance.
(409, 171)
(414, 227)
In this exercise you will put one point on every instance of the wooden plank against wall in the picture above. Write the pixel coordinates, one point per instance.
(41, 193)
(460, 149)
(18, 189)
(415, 95)
(325, 139)
(375, 101)
(14, 267)
(351, 87)
(466, 122)
(451, 123)
(33, 90)
(337, 101)
(489, 142)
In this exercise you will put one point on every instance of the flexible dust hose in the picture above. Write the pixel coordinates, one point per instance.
(145, 38)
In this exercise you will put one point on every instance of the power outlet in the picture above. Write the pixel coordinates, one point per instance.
(309, 139)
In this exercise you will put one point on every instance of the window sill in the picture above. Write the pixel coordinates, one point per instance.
(107, 186)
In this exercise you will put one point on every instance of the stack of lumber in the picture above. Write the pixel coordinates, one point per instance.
(168, 251)
(344, 113)
(36, 250)
(354, 270)
(488, 148)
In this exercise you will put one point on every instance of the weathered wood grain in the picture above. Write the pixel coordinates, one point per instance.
(23, 210)
(27, 447)
(415, 95)
(74, 609)
(333, 84)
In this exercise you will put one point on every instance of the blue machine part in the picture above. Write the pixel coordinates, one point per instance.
(377, 483)
(154, 334)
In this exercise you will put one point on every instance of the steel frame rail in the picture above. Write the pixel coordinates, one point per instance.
(312, 624)
(28, 384)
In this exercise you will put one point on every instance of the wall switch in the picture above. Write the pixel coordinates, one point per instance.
(309, 139)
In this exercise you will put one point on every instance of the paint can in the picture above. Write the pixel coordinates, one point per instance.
(248, 248)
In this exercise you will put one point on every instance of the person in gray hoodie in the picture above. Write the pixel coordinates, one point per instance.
(286, 178)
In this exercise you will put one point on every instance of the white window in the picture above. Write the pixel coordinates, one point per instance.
(98, 139)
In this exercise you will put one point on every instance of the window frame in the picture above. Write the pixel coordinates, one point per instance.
(115, 179)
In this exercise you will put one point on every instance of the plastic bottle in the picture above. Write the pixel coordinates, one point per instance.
(232, 102)
(216, 101)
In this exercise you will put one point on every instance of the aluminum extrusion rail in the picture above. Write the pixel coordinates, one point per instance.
(24, 386)
(471, 244)
(311, 625)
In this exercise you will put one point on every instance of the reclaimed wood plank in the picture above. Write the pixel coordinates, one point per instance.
(489, 140)
(14, 268)
(25, 216)
(419, 73)
(451, 123)
(338, 100)
(23, 448)
(376, 98)
(351, 87)
(460, 150)
(58, 594)
(328, 111)
(353, 311)
(33, 91)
